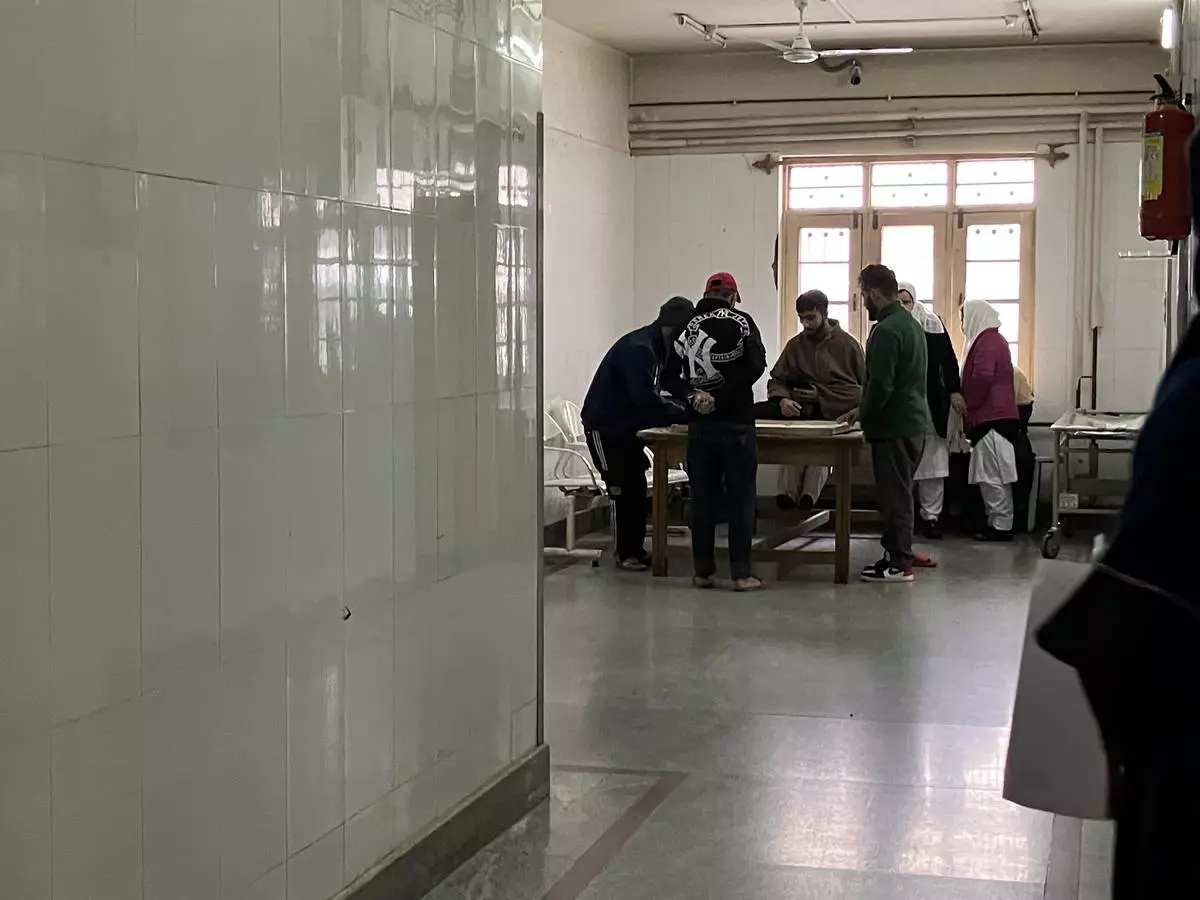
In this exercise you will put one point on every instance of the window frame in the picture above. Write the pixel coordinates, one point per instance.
(952, 222)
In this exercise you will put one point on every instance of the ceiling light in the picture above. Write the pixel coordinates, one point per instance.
(1170, 28)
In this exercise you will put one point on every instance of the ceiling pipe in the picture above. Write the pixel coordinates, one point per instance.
(932, 115)
(750, 140)
(940, 20)
(771, 135)
(846, 14)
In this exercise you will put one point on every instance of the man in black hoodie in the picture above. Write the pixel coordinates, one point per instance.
(723, 356)
(626, 396)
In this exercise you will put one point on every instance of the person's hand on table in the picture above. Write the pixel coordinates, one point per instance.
(959, 403)
(790, 408)
(850, 418)
(703, 402)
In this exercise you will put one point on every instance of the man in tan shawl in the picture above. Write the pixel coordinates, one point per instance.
(819, 376)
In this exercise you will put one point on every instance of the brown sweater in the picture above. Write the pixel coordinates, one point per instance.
(832, 363)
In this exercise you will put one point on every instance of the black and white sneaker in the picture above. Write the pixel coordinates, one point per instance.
(884, 571)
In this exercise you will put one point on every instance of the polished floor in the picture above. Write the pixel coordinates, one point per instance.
(803, 743)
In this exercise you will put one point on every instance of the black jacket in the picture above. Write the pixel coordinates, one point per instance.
(625, 394)
(943, 380)
(723, 354)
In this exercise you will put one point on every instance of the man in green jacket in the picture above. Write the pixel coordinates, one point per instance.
(894, 416)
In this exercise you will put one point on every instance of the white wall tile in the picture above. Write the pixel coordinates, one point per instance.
(250, 318)
(367, 328)
(208, 100)
(455, 121)
(316, 761)
(366, 86)
(254, 780)
(21, 85)
(416, 694)
(22, 299)
(525, 33)
(311, 90)
(97, 804)
(95, 603)
(414, 347)
(24, 586)
(314, 513)
(254, 537)
(177, 304)
(182, 750)
(456, 480)
(491, 22)
(272, 886)
(370, 660)
(369, 536)
(92, 318)
(415, 806)
(524, 730)
(370, 837)
(317, 871)
(181, 570)
(25, 812)
(455, 308)
(415, 449)
(87, 63)
(413, 92)
(313, 305)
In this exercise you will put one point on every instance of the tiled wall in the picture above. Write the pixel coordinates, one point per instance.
(268, 435)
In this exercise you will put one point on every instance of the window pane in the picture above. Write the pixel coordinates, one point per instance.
(825, 245)
(910, 195)
(908, 250)
(993, 281)
(826, 176)
(1014, 351)
(996, 171)
(1010, 320)
(909, 173)
(994, 195)
(840, 313)
(832, 278)
(826, 198)
(993, 242)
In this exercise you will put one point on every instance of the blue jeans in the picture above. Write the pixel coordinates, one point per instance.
(722, 463)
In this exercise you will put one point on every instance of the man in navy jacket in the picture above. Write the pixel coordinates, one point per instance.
(625, 397)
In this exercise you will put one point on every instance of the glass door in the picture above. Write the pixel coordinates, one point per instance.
(914, 246)
(994, 262)
(822, 252)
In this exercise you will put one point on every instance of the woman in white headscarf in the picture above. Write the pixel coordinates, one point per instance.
(992, 422)
(943, 392)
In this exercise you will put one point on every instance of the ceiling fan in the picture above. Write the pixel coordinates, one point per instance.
(801, 51)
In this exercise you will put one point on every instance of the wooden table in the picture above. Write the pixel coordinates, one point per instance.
(780, 444)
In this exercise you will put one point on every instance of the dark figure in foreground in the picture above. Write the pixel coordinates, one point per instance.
(624, 398)
(723, 357)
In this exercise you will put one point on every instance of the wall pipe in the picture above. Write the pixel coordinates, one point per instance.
(1080, 236)
(1094, 280)
(792, 138)
(898, 116)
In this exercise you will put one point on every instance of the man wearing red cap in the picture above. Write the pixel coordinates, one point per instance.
(723, 356)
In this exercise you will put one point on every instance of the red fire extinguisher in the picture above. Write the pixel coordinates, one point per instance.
(1165, 213)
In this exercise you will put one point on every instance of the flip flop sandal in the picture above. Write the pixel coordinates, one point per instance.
(753, 583)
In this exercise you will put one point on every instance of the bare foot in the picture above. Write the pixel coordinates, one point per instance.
(743, 585)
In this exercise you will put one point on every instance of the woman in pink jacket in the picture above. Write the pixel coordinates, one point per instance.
(992, 422)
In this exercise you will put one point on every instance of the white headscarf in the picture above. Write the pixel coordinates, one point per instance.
(978, 317)
(925, 316)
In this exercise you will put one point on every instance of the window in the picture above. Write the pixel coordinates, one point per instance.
(825, 187)
(907, 185)
(958, 230)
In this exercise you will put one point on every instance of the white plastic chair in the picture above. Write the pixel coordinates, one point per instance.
(569, 470)
(569, 419)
